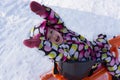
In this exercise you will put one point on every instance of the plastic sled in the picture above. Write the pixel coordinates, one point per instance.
(81, 70)
(115, 46)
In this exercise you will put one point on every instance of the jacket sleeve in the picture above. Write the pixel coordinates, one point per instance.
(53, 51)
(66, 51)
(52, 18)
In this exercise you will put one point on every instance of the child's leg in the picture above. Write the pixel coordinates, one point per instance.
(102, 50)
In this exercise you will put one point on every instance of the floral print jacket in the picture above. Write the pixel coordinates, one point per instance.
(75, 46)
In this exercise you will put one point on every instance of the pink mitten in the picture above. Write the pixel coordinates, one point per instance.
(31, 43)
(37, 8)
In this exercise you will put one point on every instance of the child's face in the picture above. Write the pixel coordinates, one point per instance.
(54, 36)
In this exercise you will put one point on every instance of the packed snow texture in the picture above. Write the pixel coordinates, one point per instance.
(87, 17)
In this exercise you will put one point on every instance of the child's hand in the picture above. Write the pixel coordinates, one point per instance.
(31, 43)
(37, 8)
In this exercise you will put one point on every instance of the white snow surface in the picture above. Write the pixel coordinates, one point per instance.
(87, 17)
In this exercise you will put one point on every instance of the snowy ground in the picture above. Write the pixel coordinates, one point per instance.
(87, 17)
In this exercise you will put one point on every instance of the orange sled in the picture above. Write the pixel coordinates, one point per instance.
(73, 70)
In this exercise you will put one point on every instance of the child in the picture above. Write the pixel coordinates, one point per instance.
(61, 44)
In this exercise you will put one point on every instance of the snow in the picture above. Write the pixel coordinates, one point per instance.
(87, 17)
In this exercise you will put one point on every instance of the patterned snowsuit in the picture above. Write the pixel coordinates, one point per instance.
(75, 46)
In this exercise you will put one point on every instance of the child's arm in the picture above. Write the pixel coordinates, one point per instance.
(70, 51)
(66, 51)
(47, 13)
(53, 51)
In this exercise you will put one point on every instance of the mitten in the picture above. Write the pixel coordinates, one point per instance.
(37, 8)
(31, 43)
